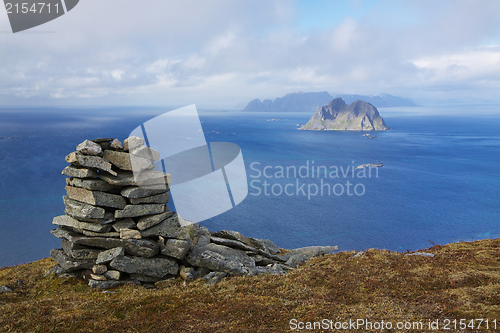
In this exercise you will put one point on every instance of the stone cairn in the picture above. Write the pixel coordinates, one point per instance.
(118, 229)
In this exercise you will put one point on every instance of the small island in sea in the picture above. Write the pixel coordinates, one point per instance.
(337, 115)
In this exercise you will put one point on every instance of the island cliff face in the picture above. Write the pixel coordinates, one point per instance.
(337, 115)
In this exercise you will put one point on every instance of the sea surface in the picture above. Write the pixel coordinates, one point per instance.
(439, 182)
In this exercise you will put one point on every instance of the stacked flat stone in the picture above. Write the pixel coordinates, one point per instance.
(117, 228)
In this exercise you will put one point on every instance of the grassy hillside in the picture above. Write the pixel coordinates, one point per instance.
(462, 281)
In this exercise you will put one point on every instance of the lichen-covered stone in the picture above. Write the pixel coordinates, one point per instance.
(161, 198)
(134, 192)
(105, 257)
(116, 144)
(80, 209)
(149, 221)
(126, 223)
(77, 251)
(133, 142)
(89, 148)
(140, 210)
(146, 152)
(113, 275)
(96, 198)
(130, 234)
(70, 264)
(68, 221)
(222, 259)
(91, 184)
(80, 160)
(214, 277)
(155, 267)
(145, 178)
(176, 248)
(72, 171)
(173, 227)
(123, 161)
(99, 269)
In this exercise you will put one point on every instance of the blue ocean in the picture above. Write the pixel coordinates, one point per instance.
(439, 182)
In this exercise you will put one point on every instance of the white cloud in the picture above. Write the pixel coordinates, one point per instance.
(224, 52)
(117, 74)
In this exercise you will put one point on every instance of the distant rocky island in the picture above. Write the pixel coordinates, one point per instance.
(337, 115)
(310, 101)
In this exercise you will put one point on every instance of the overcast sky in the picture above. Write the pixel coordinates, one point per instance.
(221, 53)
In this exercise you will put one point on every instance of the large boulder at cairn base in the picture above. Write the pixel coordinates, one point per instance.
(222, 259)
(154, 267)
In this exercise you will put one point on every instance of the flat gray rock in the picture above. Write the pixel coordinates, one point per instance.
(155, 267)
(214, 277)
(232, 243)
(187, 273)
(236, 236)
(96, 198)
(65, 233)
(112, 275)
(104, 284)
(146, 152)
(80, 209)
(68, 221)
(96, 162)
(133, 142)
(222, 259)
(263, 261)
(91, 184)
(134, 247)
(105, 257)
(111, 234)
(5, 289)
(272, 248)
(161, 198)
(173, 227)
(72, 171)
(102, 140)
(176, 248)
(70, 264)
(99, 269)
(116, 144)
(145, 278)
(126, 223)
(295, 260)
(145, 178)
(130, 234)
(134, 192)
(311, 251)
(140, 210)
(149, 221)
(108, 216)
(77, 251)
(89, 148)
(123, 161)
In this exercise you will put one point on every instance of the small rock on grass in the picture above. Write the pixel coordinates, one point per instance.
(5, 289)
(104, 284)
(214, 277)
(422, 254)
